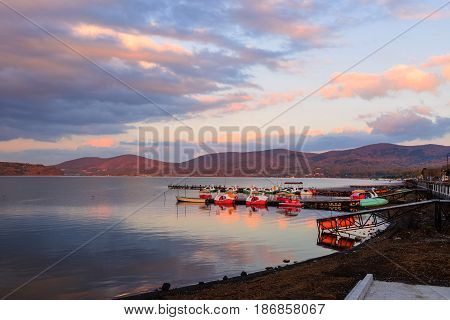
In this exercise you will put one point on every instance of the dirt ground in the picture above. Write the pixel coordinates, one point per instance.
(410, 252)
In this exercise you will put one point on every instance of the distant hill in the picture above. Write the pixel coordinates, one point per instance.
(370, 161)
(380, 159)
(128, 165)
(26, 169)
(373, 160)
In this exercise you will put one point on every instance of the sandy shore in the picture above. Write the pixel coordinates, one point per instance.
(411, 252)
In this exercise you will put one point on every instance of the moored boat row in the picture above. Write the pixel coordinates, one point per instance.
(290, 197)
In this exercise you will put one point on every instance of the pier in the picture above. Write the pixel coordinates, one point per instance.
(439, 190)
(345, 224)
(339, 202)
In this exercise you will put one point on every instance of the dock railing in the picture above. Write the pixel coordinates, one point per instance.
(373, 218)
(439, 189)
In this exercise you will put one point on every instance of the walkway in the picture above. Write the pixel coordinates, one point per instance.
(368, 289)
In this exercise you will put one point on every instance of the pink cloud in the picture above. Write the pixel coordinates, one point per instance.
(131, 41)
(263, 16)
(233, 107)
(368, 86)
(274, 98)
(440, 61)
(411, 78)
(412, 10)
(236, 102)
(422, 110)
(104, 142)
(266, 100)
(446, 72)
(350, 129)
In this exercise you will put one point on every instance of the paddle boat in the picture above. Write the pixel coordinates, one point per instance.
(293, 187)
(368, 198)
(256, 199)
(288, 200)
(228, 198)
(308, 192)
(205, 194)
(373, 202)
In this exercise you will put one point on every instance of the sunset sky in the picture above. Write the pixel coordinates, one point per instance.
(77, 78)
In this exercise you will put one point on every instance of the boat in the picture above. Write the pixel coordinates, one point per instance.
(228, 198)
(190, 199)
(288, 200)
(308, 192)
(256, 199)
(205, 194)
(293, 187)
(368, 198)
(373, 202)
(360, 194)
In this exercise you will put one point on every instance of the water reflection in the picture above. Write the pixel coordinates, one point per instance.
(336, 242)
(42, 219)
(343, 232)
(290, 212)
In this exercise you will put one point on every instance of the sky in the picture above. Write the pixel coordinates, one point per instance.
(109, 77)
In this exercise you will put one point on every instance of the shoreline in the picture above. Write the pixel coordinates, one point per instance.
(411, 251)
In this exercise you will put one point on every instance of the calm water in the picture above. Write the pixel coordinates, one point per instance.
(44, 218)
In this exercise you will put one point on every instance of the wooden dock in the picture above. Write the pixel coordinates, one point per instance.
(337, 199)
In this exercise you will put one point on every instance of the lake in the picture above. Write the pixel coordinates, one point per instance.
(143, 238)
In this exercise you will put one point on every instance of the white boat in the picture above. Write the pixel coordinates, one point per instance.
(308, 192)
(256, 199)
(228, 198)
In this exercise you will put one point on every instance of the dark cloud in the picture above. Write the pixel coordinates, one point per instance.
(408, 124)
(393, 127)
(48, 92)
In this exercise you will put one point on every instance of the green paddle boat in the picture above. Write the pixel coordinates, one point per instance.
(372, 202)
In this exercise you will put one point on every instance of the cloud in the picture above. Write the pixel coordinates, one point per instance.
(131, 41)
(48, 92)
(259, 101)
(285, 18)
(440, 61)
(410, 124)
(415, 123)
(411, 9)
(104, 142)
(369, 86)
(171, 51)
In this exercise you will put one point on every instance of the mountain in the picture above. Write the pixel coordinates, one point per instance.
(126, 165)
(373, 160)
(370, 161)
(26, 169)
(380, 159)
